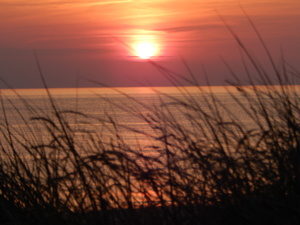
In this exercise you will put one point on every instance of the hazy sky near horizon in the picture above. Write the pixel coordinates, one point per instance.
(97, 40)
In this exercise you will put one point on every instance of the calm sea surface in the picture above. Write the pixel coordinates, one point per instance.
(125, 106)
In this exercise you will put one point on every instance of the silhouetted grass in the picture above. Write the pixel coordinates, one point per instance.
(214, 170)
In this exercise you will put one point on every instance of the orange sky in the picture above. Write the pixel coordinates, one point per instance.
(93, 39)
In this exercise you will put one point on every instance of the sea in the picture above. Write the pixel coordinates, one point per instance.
(131, 114)
(142, 119)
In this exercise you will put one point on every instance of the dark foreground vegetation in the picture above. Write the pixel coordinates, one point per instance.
(216, 170)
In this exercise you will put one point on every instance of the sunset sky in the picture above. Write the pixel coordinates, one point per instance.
(111, 40)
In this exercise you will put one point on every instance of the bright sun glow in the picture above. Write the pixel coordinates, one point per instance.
(145, 50)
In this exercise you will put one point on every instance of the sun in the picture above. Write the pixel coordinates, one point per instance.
(145, 50)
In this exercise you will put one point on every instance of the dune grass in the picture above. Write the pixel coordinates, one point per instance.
(214, 170)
